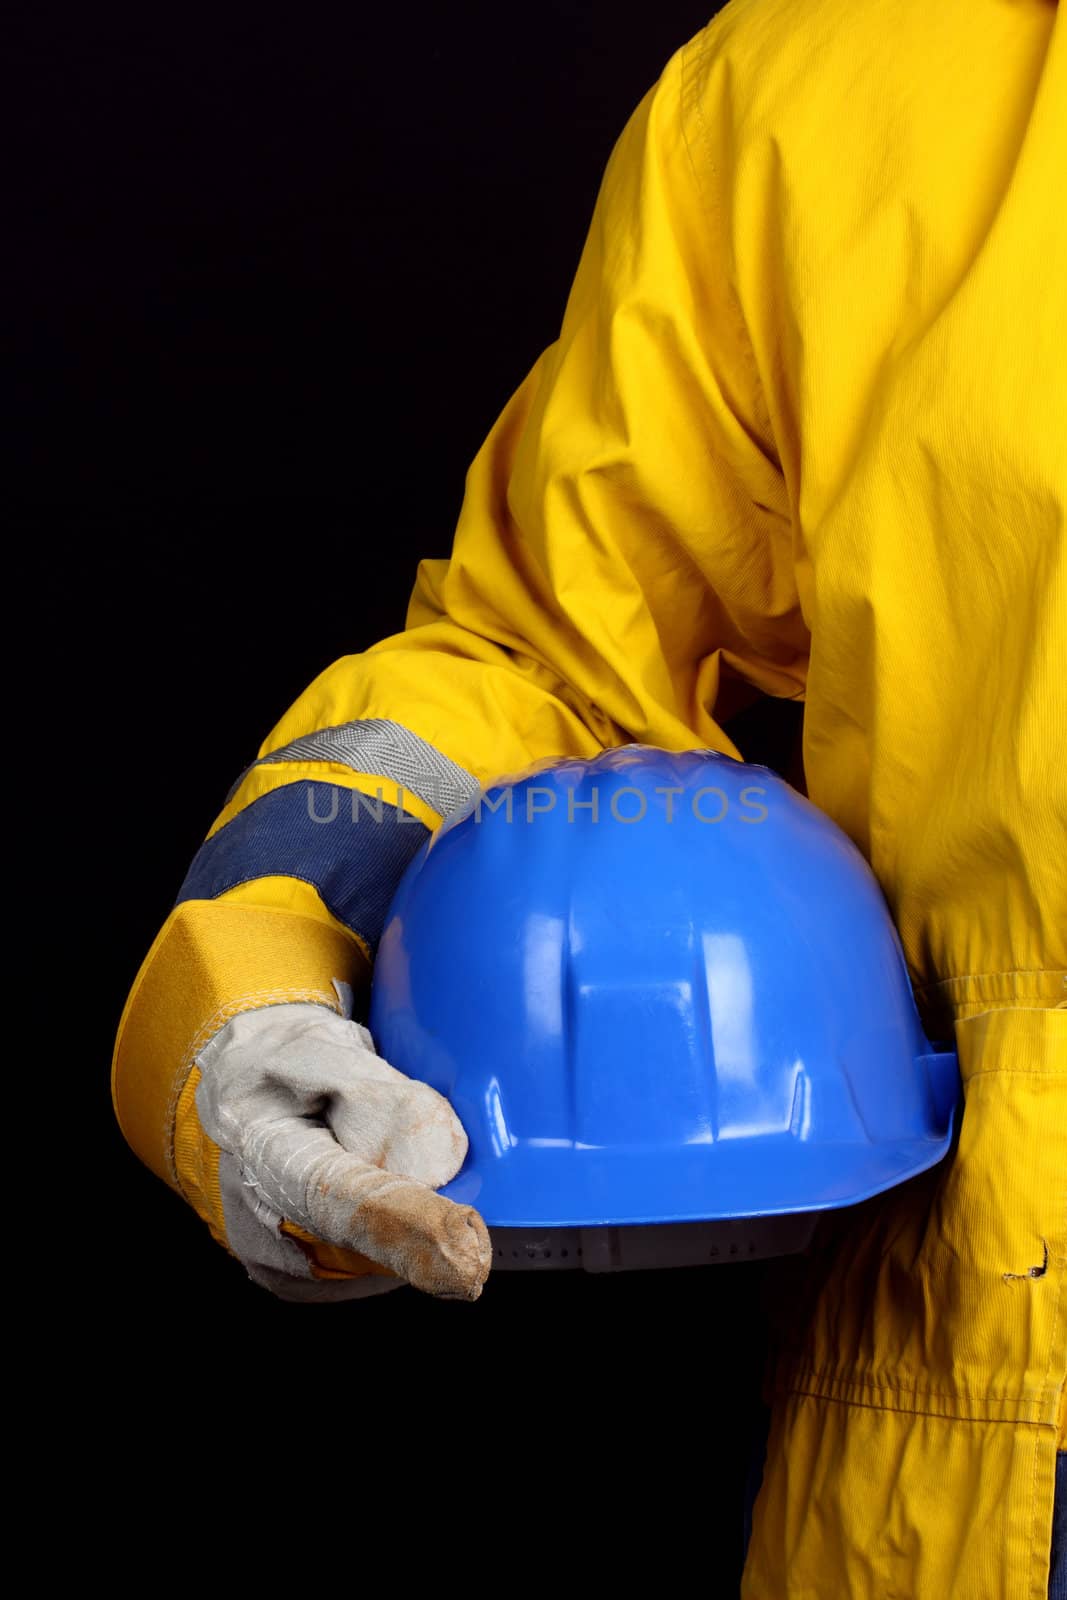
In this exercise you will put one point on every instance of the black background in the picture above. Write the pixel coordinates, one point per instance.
(284, 269)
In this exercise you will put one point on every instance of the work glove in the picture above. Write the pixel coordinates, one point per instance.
(317, 1131)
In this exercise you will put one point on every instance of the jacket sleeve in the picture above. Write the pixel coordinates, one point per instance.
(623, 556)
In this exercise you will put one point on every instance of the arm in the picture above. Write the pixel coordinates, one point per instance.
(623, 551)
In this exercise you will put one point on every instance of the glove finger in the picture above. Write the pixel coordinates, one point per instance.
(438, 1246)
(433, 1243)
(275, 1260)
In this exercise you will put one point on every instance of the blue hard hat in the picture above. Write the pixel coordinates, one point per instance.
(658, 988)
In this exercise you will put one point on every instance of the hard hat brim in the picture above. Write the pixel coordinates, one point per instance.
(569, 1186)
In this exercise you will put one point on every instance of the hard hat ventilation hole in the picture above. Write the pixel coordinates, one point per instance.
(606, 1247)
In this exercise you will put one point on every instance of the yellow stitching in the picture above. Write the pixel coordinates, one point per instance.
(1007, 972)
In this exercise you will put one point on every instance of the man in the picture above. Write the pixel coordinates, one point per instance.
(802, 431)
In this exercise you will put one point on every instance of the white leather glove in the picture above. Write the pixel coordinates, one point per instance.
(315, 1128)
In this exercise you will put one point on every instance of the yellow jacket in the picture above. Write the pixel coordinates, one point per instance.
(803, 431)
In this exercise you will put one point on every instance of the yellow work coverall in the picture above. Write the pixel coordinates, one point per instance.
(803, 432)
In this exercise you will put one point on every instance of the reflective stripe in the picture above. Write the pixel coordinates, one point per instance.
(383, 749)
(353, 850)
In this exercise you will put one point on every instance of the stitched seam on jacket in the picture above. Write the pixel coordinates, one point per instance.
(343, 926)
(1003, 972)
(1042, 1070)
(1029, 1410)
(948, 1415)
(818, 1376)
(826, 1386)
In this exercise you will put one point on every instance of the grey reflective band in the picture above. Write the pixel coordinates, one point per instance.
(383, 749)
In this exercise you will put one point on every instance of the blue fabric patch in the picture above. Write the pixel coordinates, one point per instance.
(353, 849)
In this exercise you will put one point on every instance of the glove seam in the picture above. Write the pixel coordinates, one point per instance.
(254, 1000)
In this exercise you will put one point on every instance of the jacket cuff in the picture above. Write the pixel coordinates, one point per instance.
(212, 960)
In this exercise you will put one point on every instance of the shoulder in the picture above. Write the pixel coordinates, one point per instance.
(766, 64)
